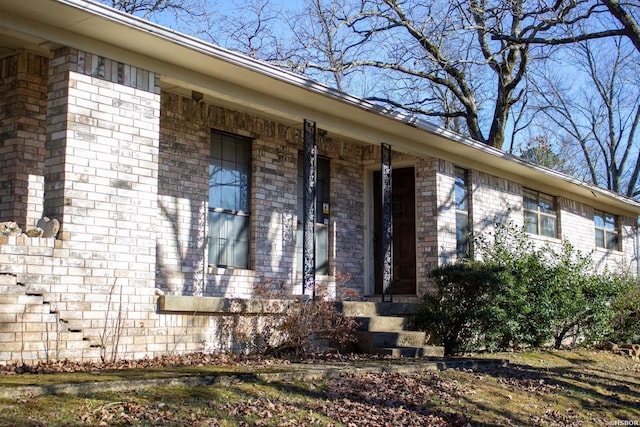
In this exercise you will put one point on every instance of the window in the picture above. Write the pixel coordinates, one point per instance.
(322, 214)
(540, 213)
(606, 226)
(463, 249)
(229, 188)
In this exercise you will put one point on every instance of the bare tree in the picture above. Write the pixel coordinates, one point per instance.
(435, 59)
(467, 64)
(323, 46)
(252, 27)
(188, 16)
(567, 22)
(599, 114)
(145, 8)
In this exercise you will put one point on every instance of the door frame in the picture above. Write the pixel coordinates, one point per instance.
(369, 226)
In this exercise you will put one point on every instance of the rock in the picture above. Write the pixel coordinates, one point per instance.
(34, 232)
(10, 228)
(633, 350)
(49, 227)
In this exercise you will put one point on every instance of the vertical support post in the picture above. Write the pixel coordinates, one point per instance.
(387, 222)
(309, 202)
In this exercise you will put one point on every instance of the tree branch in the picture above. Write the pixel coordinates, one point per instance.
(630, 26)
(560, 41)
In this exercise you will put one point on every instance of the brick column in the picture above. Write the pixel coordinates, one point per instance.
(102, 167)
(23, 104)
(428, 221)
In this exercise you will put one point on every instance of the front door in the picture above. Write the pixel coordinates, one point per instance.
(404, 232)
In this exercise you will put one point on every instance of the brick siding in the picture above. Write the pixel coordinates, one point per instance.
(23, 82)
(186, 125)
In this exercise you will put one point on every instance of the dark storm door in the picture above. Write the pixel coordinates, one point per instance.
(404, 232)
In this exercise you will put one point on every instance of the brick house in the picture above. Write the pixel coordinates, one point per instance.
(176, 170)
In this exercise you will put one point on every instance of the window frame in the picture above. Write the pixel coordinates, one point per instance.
(462, 209)
(615, 231)
(240, 209)
(540, 212)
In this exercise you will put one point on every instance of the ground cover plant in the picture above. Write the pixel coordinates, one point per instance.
(538, 388)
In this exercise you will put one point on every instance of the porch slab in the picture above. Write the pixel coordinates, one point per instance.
(208, 305)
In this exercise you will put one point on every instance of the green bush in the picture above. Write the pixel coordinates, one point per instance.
(572, 303)
(462, 304)
(522, 296)
(625, 325)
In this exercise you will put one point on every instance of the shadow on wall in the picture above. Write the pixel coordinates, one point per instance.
(480, 222)
(182, 264)
(182, 195)
(180, 249)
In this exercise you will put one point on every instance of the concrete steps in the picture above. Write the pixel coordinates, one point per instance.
(381, 323)
(368, 309)
(382, 329)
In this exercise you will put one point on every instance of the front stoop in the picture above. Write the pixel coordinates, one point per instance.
(382, 329)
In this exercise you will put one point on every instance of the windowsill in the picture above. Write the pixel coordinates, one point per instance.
(215, 269)
(209, 305)
(608, 251)
(543, 238)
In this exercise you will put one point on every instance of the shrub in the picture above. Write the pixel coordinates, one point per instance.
(314, 326)
(461, 305)
(311, 325)
(625, 323)
(522, 296)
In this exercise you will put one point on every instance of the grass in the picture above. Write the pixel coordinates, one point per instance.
(118, 375)
(538, 388)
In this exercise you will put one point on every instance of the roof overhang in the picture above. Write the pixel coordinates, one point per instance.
(185, 63)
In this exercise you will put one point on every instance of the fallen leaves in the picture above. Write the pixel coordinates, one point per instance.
(512, 395)
(127, 413)
(191, 359)
(351, 399)
(555, 417)
(519, 380)
(392, 399)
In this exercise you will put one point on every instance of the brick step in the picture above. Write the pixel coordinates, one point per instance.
(14, 289)
(8, 280)
(82, 354)
(42, 332)
(67, 326)
(77, 342)
(36, 300)
(9, 299)
(35, 289)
